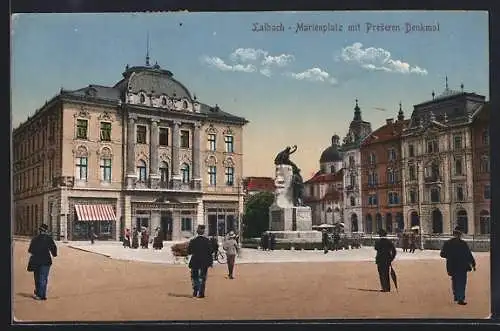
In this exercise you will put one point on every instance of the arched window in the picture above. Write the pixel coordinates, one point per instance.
(435, 196)
(332, 169)
(142, 98)
(141, 170)
(163, 101)
(378, 222)
(185, 173)
(437, 221)
(484, 222)
(372, 159)
(414, 219)
(369, 224)
(185, 104)
(485, 164)
(353, 201)
(164, 178)
(354, 223)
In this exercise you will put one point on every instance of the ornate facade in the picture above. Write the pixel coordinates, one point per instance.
(323, 192)
(358, 130)
(180, 164)
(438, 157)
(382, 193)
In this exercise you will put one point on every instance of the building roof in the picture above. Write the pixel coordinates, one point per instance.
(331, 195)
(320, 177)
(151, 80)
(390, 131)
(332, 153)
(259, 184)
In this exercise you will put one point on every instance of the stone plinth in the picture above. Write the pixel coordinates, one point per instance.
(290, 219)
(297, 236)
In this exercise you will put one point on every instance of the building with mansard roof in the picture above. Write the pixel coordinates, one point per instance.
(142, 153)
(440, 167)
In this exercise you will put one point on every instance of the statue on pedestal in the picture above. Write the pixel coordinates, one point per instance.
(283, 158)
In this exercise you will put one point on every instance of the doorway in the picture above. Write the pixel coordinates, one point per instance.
(166, 226)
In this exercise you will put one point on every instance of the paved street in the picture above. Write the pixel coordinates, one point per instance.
(88, 287)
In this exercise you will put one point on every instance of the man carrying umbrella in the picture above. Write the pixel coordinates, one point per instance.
(386, 253)
(459, 261)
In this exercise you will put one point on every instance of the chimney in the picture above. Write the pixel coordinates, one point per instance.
(389, 121)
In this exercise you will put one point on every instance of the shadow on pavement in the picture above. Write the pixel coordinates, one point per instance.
(177, 295)
(363, 289)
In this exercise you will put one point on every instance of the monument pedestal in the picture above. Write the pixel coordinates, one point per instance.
(286, 221)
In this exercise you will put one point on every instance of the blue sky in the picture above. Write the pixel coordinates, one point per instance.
(294, 88)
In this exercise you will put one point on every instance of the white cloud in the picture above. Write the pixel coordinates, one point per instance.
(314, 75)
(247, 54)
(250, 60)
(266, 72)
(221, 65)
(379, 59)
(280, 60)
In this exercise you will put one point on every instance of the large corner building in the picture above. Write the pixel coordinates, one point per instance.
(144, 152)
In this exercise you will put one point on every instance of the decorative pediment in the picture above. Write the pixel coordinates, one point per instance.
(228, 131)
(211, 160)
(211, 129)
(83, 112)
(80, 151)
(164, 157)
(105, 116)
(228, 162)
(185, 159)
(105, 152)
(142, 155)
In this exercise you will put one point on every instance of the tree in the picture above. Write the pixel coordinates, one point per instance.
(256, 215)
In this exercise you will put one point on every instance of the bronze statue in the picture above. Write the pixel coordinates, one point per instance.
(283, 157)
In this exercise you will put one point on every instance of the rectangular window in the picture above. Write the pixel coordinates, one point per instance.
(81, 168)
(105, 131)
(141, 134)
(51, 169)
(412, 173)
(457, 142)
(229, 176)
(229, 142)
(413, 197)
(460, 193)
(212, 175)
(106, 170)
(486, 137)
(212, 142)
(432, 146)
(392, 154)
(184, 139)
(163, 137)
(487, 192)
(186, 224)
(458, 167)
(82, 129)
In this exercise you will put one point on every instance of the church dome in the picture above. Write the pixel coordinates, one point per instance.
(332, 153)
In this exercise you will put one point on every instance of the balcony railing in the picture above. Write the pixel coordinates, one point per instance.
(432, 179)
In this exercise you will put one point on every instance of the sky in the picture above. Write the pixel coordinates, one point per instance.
(295, 87)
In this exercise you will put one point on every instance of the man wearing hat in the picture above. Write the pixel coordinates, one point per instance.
(41, 248)
(459, 261)
(231, 247)
(386, 253)
(201, 253)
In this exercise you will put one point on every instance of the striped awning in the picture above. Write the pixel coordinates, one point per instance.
(95, 212)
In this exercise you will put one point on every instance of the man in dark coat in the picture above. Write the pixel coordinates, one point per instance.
(459, 261)
(386, 253)
(200, 249)
(41, 248)
(324, 240)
